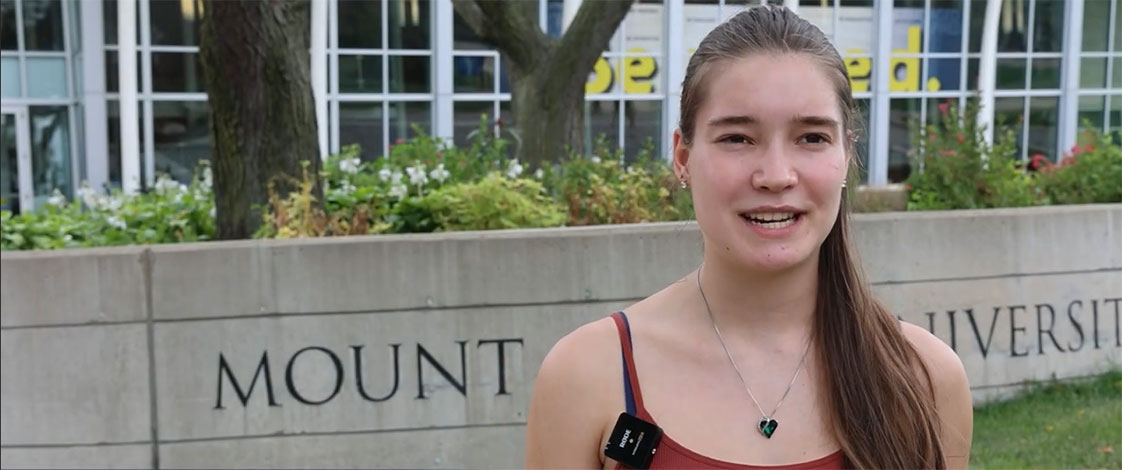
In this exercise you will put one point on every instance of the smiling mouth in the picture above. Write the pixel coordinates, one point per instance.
(772, 220)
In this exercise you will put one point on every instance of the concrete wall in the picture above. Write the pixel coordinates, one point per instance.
(250, 354)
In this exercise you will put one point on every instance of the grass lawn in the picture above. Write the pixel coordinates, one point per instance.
(1077, 425)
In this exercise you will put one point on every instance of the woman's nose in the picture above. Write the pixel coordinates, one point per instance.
(774, 172)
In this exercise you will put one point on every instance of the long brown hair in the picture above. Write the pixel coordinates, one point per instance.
(882, 408)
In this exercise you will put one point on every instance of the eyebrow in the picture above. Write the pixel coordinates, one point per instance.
(740, 120)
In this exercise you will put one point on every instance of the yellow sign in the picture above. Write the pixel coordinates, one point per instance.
(638, 73)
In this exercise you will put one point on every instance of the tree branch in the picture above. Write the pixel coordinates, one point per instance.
(509, 26)
(588, 35)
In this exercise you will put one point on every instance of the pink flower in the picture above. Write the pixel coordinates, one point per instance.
(961, 138)
(399, 141)
(1089, 148)
(943, 107)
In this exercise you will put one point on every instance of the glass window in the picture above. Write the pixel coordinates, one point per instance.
(464, 38)
(946, 26)
(603, 77)
(1010, 74)
(901, 114)
(1116, 78)
(360, 24)
(408, 24)
(409, 74)
(1092, 109)
(1096, 24)
(977, 19)
(361, 123)
(467, 117)
(1117, 27)
(112, 68)
(972, 74)
(9, 164)
(360, 73)
(644, 29)
(601, 120)
(9, 77)
(8, 39)
(1012, 28)
(42, 25)
(46, 77)
(1048, 26)
(1116, 118)
(50, 151)
(1042, 129)
(1009, 114)
(1045, 74)
(862, 146)
(113, 112)
(943, 74)
(175, 22)
(177, 72)
(642, 128)
(407, 118)
(182, 137)
(473, 74)
(1092, 73)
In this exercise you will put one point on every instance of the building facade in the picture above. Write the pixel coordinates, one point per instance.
(394, 67)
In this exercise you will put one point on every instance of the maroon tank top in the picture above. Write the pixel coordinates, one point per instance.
(670, 453)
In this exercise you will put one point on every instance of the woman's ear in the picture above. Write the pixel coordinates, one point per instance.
(681, 157)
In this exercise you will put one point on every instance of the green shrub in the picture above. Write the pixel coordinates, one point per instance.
(1091, 172)
(169, 213)
(954, 168)
(601, 189)
(493, 203)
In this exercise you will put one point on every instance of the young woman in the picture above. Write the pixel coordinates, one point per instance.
(774, 352)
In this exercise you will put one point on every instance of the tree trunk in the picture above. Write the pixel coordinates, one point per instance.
(263, 123)
(548, 74)
(548, 115)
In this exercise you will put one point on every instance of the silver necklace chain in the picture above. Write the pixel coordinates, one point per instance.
(737, 368)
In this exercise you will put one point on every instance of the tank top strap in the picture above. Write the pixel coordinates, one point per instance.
(633, 397)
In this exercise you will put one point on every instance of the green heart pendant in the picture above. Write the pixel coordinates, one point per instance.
(768, 426)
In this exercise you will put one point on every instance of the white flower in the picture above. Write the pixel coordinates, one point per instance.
(398, 190)
(384, 174)
(349, 165)
(213, 213)
(208, 178)
(347, 187)
(595, 159)
(87, 195)
(539, 173)
(57, 199)
(163, 183)
(396, 177)
(117, 221)
(112, 203)
(439, 173)
(417, 175)
(513, 169)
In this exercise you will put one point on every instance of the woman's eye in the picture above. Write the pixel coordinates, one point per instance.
(814, 139)
(734, 139)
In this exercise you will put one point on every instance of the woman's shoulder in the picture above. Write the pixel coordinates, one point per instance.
(953, 401)
(942, 363)
(576, 392)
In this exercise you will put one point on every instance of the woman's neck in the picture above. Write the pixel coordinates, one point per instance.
(761, 304)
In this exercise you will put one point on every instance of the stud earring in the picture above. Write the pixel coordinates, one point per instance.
(843, 182)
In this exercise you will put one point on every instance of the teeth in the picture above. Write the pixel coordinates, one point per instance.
(771, 216)
(772, 220)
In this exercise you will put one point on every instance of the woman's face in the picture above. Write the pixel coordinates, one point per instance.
(767, 161)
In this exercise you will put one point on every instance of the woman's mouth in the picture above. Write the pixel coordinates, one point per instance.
(772, 220)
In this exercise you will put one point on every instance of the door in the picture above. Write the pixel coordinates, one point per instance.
(16, 193)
